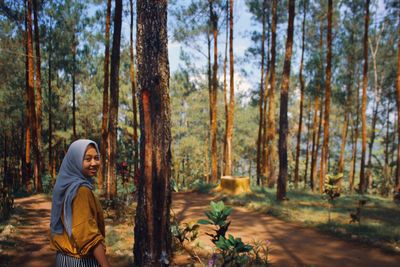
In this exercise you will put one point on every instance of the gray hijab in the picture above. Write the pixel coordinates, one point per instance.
(69, 179)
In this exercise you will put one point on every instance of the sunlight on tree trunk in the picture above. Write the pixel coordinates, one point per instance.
(114, 100)
(152, 232)
(363, 184)
(104, 120)
(283, 113)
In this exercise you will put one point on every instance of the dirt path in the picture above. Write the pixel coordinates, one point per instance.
(27, 244)
(291, 244)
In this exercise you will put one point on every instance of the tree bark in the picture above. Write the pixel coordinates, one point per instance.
(74, 48)
(264, 157)
(270, 134)
(328, 74)
(283, 110)
(374, 52)
(261, 160)
(31, 97)
(316, 121)
(343, 142)
(50, 100)
(229, 123)
(355, 142)
(152, 232)
(209, 76)
(307, 146)
(296, 168)
(214, 92)
(387, 138)
(38, 86)
(114, 91)
(104, 120)
(225, 90)
(363, 184)
(134, 99)
(397, 179)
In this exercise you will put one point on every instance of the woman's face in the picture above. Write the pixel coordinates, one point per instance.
(91, 162)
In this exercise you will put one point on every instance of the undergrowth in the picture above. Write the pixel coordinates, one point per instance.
(379, 224)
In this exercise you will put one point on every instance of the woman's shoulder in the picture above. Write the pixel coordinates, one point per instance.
(84, 191)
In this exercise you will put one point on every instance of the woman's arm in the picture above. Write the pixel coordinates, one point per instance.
(99, 253)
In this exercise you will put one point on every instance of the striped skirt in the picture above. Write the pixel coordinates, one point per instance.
(63, 260)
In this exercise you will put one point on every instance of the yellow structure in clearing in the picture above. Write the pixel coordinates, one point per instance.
(234, 185)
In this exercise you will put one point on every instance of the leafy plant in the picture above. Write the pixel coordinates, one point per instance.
(260, 252)
(332, 190)
(217, 217)
(234, 252)
(187, 231)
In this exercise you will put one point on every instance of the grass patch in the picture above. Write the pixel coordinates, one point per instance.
(201, 187)
(379, 219)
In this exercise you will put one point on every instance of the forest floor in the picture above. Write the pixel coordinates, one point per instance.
(24, 240)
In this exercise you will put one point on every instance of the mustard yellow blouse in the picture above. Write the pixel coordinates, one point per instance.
(87, 226)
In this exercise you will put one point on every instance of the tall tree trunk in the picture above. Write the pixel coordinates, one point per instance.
(104, 120)
(264, 157)
(5, 164)
(224, 158)
(26, 162)
(316, 121)
(134, 99)
(363, 184)
(343, 142)
(50, 100)
(328, 74)
(74, 48)
(214, 92)
(397, 180)
(283, 110)
(270, 134)
(114, 91)
(387, 138)
(394, 150)
(152, 222)
(371, 145)
(38, 84)
(374, 52)
(229, 124)
(347, 112)
(296, 168)
(307, 145)
(261, 100)
(209, 76)
(387, 168)
(31, 97)
(355, 142)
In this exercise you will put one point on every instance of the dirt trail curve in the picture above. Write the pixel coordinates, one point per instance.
(28, 243)
(291, 245)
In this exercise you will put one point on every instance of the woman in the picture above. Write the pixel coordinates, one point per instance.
(77, 223)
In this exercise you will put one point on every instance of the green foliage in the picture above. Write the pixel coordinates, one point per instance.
(217, 217)
(332, 186)
(379, 221)
(231, 251)
(185, 232)
(332, 190)
(234, 252)
(202, 187)
(47, 183)
(260, 253)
